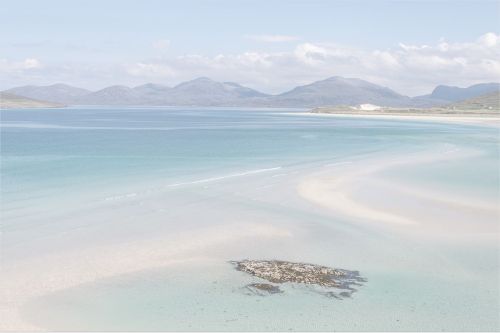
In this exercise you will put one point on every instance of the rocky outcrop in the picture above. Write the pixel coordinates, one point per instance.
(278, 271)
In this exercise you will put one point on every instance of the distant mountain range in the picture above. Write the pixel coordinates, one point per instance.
(203, 91)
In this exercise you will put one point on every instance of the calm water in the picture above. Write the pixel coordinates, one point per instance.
(51, 155)
(77, 178)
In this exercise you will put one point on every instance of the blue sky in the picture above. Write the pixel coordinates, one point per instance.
(96, 43)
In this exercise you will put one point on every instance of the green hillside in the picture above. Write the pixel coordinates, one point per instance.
(489, 101)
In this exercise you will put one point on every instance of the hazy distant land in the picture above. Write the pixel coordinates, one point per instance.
(334, 91)
(485, 106)
(485, 103)
(11, 101)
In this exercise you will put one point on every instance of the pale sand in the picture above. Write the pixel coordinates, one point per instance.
(469, 120)
(21, 282)
(333, 193)
(334, 188)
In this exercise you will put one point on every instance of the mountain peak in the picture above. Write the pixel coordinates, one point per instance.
(116, 87)
(57, 93)
(454, 94)
(200, 81)
(150, 86)
(203, 78)
(337, 90)
(152, 89)
(61, 85)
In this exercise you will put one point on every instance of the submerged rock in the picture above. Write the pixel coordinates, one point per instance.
(263, 289)
(277, 271)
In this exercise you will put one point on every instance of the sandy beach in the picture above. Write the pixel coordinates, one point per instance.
(48, 274)
(333, 188)
(383, 203)
(338, 189)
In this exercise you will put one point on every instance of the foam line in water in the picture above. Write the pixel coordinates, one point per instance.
(338, 163)
(118, 197)
(200, 181)
(212, 179)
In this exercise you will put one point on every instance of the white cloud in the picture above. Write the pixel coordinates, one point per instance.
(409, 69)
(272, 38)
(161, 44)
(31, 63)
(150, 70)
(7, 66)
(311, 54)
(489, 39)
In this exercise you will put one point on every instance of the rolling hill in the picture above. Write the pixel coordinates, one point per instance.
(489, 101)
(11, 101)
(56, 93)
(339, 91)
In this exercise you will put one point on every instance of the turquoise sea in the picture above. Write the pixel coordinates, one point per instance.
(126, 218)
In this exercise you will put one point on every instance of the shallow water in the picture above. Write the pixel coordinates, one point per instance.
(116, 179)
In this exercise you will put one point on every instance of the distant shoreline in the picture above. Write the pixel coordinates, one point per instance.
(10, 101)
(456, 117)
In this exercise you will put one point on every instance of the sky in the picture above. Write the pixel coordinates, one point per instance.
(272, 46)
